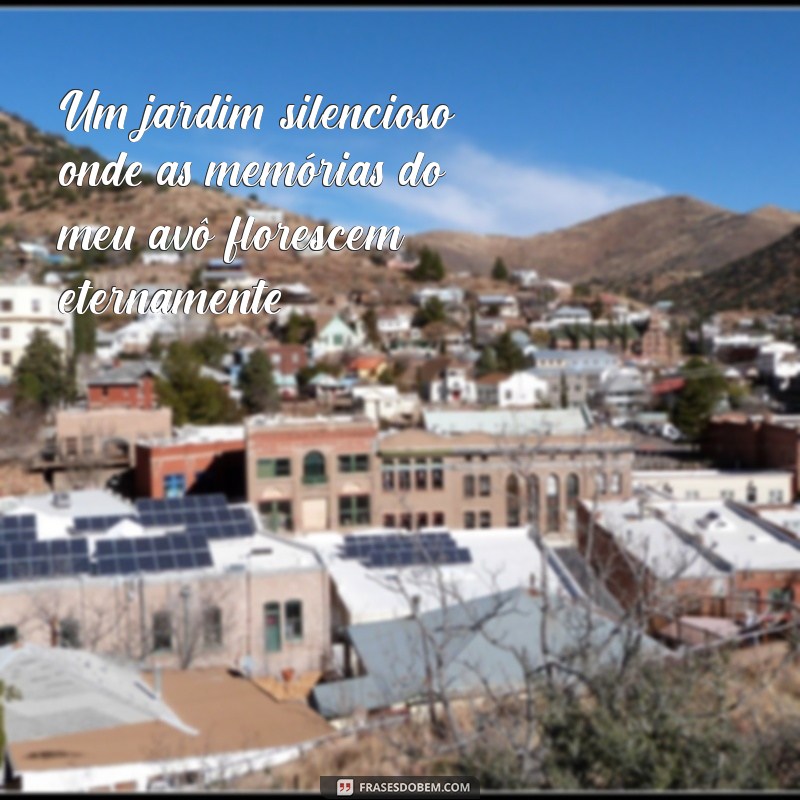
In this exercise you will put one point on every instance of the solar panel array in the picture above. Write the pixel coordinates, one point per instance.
(99, 524)
(46, 559)
(207, 514)
(404, 550)
(152, 554)
(197, 519)
(17, 528)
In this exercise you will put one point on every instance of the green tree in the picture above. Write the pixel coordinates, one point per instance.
(370, 320)
(300, 329)
(42, 378)
(432, 311)
(430, 267)
(192, 397)
(509, 356)
(500, 270)
(210, 349)
(84, 326)
(704, 388)
(487, 361)
(257, 382)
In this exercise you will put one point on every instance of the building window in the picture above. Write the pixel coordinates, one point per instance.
(469, 486)
(314, 468)
(389, 521)
(776, 495)
(387, 479)
(277, 514)
(573, 490)
(406, 521)
(5, 333)
(437, 474)
(616, 483)
(422, 520)
(87, 443)
(421, 478)
(404, 479)
(293, 615)
(553, 503)
(726, 494)
(36, 305)
(485, 519)
(354, 463)
(533, 498)
(212, 627)
(469, 519)
(600, 483)
(438, 519)
(8, 635)
(354, 510)
(752, 493)
(69, 633)
(272, 627)
(7, 305)
(512, 501)
(273, 468)
(162, 630)
(72, 446)
(6, 359)
(485, 485)
(174, 485)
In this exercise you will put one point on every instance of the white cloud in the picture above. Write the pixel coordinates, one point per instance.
(486, 194)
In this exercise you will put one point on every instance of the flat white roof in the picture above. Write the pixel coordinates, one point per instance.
(654, 543)
(502, 558)
(656, 474)
(741, 541)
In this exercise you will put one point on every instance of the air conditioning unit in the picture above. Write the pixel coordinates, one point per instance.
(61, 500)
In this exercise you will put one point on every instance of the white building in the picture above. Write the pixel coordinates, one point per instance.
(23, 310)
(386, 404)
(526, 278)
(266, 216)
(517, 390)
(770, 487)
(778, 361)
(165, 257)
(336, 337)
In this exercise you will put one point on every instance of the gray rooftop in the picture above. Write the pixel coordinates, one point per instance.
(499, 422)
(484, 644)
(72, 691)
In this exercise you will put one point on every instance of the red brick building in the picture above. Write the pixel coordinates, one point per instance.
(125, 385)
(197, 460)
(288, 359)
(738, 442)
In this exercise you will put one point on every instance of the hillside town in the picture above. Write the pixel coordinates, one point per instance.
(262, 511)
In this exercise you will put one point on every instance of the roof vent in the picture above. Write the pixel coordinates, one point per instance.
(61, 500)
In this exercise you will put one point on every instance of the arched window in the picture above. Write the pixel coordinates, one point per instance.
(314, 467)
(512, 501)
(553, 501)
(616, 483)
(533, 498)
(600, 483)
(573, 490)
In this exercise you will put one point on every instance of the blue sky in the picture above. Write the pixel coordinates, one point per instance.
(560, 116)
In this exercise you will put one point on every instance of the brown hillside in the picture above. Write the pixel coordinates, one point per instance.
(645, 246)
(766, 279)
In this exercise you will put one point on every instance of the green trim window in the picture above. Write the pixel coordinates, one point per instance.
(277, 514)
(354, 463)
(293, 620)
(314, 468)
(354, 509)
(273, 468)
(272, 627)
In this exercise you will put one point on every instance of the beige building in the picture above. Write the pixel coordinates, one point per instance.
(465, 471)
(262, 605)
